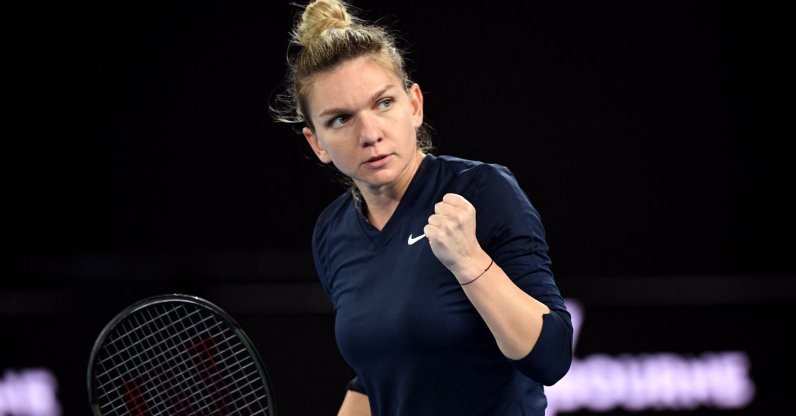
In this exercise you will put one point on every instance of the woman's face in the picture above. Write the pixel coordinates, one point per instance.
(365, 123)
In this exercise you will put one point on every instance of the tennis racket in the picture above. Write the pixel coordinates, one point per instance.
(176, 355)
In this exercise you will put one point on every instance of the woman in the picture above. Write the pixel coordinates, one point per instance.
(444, 297)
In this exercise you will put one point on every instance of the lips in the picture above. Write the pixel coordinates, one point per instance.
(377, 161)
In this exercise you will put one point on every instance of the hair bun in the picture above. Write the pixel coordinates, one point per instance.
(320, 16)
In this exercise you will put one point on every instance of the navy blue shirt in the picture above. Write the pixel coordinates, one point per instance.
(404, 324)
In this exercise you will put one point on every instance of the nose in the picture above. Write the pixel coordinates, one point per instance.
(370, 131)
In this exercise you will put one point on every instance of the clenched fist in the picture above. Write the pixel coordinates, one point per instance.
(451, 234)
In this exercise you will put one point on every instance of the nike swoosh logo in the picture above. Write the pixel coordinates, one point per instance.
(411, 240)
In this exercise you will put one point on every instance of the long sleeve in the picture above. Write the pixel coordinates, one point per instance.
(511, 231)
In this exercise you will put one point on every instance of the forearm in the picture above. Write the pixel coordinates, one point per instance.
(354, 404)
(513, 316)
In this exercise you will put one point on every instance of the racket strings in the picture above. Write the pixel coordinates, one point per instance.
(171, 360)
(208, 374)
(157, 367)
(131, 353)
(182, 384)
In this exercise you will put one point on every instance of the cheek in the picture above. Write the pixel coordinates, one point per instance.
(338, 153)
(410, 130)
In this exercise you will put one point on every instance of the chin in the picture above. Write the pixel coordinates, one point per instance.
(376, 180)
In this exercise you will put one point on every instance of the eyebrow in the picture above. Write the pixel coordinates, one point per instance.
(343, 110)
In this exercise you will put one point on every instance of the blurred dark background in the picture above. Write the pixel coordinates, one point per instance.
(651, 136)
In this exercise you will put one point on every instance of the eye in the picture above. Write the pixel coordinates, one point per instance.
(385, 104)
(338, 121)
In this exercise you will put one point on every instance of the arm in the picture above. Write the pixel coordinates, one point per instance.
(516, 296)
(354, 404)
(513, 316)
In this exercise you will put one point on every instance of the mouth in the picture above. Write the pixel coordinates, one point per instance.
(377, 161)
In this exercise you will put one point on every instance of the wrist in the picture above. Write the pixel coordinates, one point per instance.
(491, 262)
(473, 268)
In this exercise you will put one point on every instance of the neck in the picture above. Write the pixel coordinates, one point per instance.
(382, 201)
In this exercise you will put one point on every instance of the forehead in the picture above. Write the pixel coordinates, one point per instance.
(351, 83)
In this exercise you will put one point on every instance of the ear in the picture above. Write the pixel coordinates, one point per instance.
(416, 101)
(316, 147)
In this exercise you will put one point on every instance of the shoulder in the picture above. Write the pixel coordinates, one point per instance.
(493, 190)
(332, 213)
(463, 167)
(477, 175)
